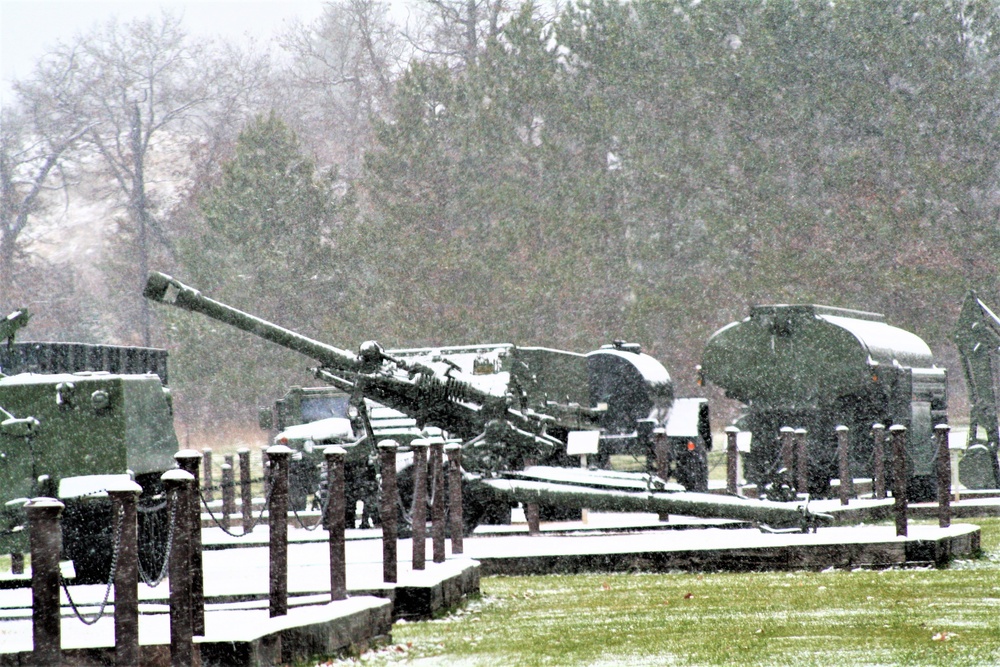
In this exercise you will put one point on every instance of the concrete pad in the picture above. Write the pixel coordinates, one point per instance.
(716, 549)
(232, 637)
(239, 630)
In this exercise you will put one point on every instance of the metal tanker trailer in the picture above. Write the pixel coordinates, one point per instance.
(816, 367)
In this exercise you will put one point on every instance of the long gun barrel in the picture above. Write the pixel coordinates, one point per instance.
(412, 388)
(165, 289)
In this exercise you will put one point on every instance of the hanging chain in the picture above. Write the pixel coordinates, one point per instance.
(324, 502)
(256, 522)
(323, 505)
(111, 577)
(154, 582)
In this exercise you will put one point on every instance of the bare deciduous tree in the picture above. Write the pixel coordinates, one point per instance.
(342, 68)
(34, 141)
(142, 89)
(456, 31)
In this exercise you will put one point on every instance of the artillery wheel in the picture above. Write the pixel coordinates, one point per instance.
(479, 505)
(88, 530)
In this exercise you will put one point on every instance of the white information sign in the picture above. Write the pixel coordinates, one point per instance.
(581, 443)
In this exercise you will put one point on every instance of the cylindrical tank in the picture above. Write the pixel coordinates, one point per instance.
(632, 384)
(816, 367)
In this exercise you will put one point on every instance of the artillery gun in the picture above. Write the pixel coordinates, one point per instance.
(497, 397)
(499, 400)
(75, 423)
(817, 367)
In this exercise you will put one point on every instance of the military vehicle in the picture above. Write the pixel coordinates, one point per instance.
(307, 419)
(515, 410)
(76, 420)
(816, 367)
(977, 336)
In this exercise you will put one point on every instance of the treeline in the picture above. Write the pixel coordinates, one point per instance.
(493, 173)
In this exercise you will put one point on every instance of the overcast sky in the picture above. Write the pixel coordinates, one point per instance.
(28, 28)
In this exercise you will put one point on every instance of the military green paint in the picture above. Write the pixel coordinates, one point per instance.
(88, 424)
(804, 355)
(815, 367)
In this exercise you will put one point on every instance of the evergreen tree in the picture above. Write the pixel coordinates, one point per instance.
(650, 169)
(270, 241)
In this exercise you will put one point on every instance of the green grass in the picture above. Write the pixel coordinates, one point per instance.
(920, 617)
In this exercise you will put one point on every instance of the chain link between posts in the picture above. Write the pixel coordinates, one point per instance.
(256, 522)
(151, 581)
(102, 611)
(323, 505)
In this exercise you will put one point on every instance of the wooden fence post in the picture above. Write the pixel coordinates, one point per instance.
(228, 494)
(46, 543)
(180, 487)
(943, 475)
(336, 520)
(123, 501)
(878, 461)
(732, 460)
(388, 500)
(206, 455)
(189, 461)
(437, 500)
(787, 437)
(897, 434)
(454, 452)
(801, 461)
(419, 515)
(844, 464)
(246, 490)
(279, 456)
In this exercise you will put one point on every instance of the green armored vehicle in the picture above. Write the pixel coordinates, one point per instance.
(73, 435)
(816, 367)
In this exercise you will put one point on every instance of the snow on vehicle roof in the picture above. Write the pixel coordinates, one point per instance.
(884, 342)
(682, 421)
(323, 429)
(651, 370)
